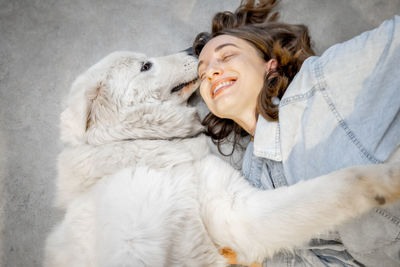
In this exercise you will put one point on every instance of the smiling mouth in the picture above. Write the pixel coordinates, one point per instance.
(216, 90)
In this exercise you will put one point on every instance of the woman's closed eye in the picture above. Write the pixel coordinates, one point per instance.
(226, 57)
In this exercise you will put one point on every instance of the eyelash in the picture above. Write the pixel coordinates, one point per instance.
(224, 58)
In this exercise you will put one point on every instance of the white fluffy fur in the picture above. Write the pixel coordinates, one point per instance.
(140, 187)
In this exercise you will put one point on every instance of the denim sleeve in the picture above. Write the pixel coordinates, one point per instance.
(341, 110)
(362, 82)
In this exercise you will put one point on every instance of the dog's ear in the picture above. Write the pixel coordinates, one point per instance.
(77, 117)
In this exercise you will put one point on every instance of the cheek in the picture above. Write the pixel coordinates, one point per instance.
(203, 91)
(206, 97)
(256, 78)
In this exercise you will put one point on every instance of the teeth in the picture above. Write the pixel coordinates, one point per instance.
(219, 86)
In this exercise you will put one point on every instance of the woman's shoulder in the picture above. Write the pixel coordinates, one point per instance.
(347, 64)
(363, 51)
(303, 84)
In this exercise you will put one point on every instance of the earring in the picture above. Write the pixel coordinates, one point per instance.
(275, 100)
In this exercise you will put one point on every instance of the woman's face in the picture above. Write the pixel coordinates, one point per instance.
(232, 75)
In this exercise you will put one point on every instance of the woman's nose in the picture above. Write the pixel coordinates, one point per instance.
(214, 69)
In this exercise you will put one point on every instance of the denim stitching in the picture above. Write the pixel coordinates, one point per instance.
(265, 154)
(278, 172)
(280, 176)
(298, 98)
(256, 166)
(277, 140)
(322, 88)
(388, 216)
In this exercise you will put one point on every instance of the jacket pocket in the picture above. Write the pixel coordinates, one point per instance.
(374, 239)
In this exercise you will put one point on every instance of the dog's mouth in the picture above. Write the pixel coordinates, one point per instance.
(183, 86)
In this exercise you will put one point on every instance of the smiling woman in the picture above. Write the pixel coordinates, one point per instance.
(260, 77)
(266, 54)
(232, 76)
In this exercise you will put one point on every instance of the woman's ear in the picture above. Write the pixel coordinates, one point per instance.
(271, 65)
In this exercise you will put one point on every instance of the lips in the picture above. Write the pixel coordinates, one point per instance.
(181, 86)
(220, 85)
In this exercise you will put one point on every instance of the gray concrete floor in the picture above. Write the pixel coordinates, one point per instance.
(45, 44)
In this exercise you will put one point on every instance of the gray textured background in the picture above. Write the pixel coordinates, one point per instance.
(45, 44)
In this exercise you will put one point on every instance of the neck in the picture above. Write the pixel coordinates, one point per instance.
(149, 122)
(248, 121)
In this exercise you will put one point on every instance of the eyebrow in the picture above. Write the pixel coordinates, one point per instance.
(216, 50)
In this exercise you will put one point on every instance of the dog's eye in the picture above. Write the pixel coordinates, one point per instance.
(146, 66)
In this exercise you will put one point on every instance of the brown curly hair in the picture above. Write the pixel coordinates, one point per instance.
(289, 44)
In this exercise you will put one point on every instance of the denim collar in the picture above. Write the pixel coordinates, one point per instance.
(267, 142)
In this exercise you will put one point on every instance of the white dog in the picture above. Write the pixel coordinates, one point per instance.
(140, 187)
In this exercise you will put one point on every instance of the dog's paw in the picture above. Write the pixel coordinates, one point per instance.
(382, 183)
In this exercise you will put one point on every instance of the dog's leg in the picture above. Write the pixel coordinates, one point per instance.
(256, 224)
(72, 242)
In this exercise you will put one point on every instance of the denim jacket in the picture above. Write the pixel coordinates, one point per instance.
(341, 109)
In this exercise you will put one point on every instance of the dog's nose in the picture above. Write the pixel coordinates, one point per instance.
(189, 51)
